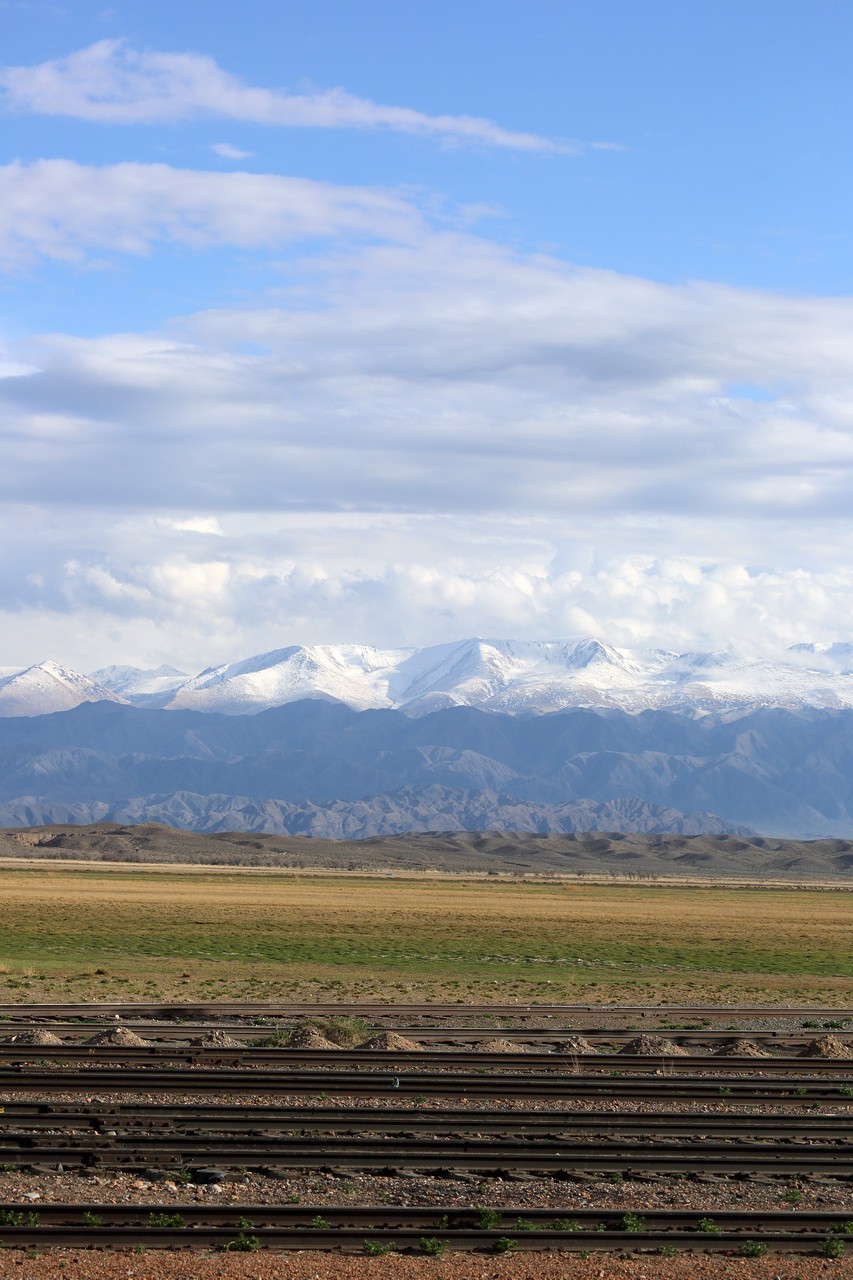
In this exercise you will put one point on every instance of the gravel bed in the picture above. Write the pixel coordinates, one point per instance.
(676, 1106)
(706, 1195)
(76, 1265)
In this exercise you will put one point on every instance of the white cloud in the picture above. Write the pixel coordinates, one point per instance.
(229, 152)
(112, 83)
(418, 440)
(63, 210)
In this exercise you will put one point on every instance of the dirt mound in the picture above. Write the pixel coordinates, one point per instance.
(307, 1037)
(122, 1037)
(218, 1040)
(576, 1044)
(826, 1047)
(646, 1046)
(35, 1035)
(741, 1049)
(391, 1040)
(500, 1045)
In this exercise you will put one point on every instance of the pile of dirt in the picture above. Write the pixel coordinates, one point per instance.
(35, 1035)
(646, 1046)
(121, 1037)
(741, 1049)
(308, 1037)
(826, 1047)
(500, 1045)
(576, 1044)
(392, 1040)
(218, 1040)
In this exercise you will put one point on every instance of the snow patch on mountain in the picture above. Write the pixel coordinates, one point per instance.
(136, 684)
(49, 687)
(516, 676)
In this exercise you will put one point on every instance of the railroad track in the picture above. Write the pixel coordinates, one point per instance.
(801, 1089)
(446, 1037)
(25, 1117)
(286, 1059)
(413, 1230)
(407, 1012)
(432, 1153)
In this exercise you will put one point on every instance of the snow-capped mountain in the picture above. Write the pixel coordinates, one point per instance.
(515, 676)
(355, 674)
(134, 684)
(49, 687)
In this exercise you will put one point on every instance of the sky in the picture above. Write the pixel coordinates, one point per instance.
(335, 321)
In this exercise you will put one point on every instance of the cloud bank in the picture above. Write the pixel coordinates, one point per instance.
(63, 210)
(112, 83)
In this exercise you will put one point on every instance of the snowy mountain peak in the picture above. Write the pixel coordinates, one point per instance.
(520, 676)
(48, 687)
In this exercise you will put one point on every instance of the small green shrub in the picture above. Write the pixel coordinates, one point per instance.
(752, 1249)
(92, 1220)
(488, 1219)
(320, 1223)
(376, 1249)
(524, 1224)
(668, 1251)
(709, 1226)
(633, 1222)
(566, 1224)
(242, 1244)
(503, 1244)
(166, 1220)
(433, 1246)
(18, 1218)
(245, 1224)
(833, 1247)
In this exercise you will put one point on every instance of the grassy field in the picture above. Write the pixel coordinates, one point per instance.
(69, 933)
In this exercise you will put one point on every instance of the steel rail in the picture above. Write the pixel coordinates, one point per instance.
(439, 1218)
(285, 1059)
(491, 1084)
(278, 1009)
(403, 1240)
(499, 1157)
(126, 1118)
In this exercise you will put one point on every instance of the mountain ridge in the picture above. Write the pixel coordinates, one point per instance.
(777, 772)
(507, 676)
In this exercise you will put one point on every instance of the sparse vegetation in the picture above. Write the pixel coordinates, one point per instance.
(363, 936)
(432, 1246)
(166, 1220)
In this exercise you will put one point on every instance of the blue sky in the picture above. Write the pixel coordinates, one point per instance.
(392, 324)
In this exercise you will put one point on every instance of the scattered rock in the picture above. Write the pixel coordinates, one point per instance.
(576, 1044)
(36, 1035)
(648, 1046)
(122, 1037)
(500, 1045)
(218, 1040)
(826, 1047)
(741, 1049)
(308, 1037)
(391, 1040)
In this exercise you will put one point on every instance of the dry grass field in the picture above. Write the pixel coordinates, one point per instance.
(125, 933)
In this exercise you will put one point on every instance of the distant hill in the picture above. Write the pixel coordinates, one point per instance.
(496, 852)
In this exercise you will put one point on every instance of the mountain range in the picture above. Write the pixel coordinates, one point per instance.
(511, 676)
(321, 768)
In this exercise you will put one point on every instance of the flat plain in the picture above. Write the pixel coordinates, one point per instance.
(123, 933)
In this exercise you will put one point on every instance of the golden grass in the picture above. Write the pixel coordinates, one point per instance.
(210, 936)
